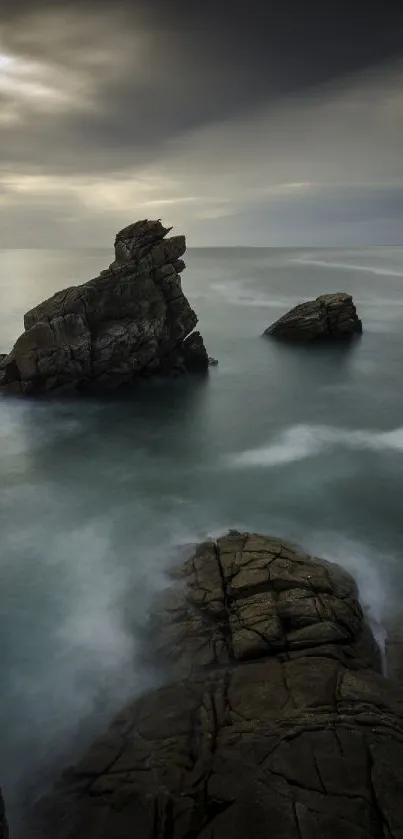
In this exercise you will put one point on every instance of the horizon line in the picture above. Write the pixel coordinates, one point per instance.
(203, 247)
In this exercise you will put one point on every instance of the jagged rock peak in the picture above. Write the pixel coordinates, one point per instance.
(131, 321)
(137, 239)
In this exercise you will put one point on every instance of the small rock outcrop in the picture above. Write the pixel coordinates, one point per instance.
(133, 320)
(329, 317)
(276, 720)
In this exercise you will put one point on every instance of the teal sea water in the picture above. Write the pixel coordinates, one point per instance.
(96, 498)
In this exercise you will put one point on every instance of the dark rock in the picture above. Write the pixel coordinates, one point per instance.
(195, 353)
(329, 317)
(115, 328)
(3, 821)
(9, 372)
(276, 721)
(213, 362)
(394, 649)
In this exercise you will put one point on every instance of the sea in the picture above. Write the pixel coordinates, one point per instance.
(99, 498)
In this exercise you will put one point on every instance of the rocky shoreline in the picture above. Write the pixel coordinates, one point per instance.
(275, 719)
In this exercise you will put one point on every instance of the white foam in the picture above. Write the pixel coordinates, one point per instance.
(303, 441)
(348, 266)
(371, 571)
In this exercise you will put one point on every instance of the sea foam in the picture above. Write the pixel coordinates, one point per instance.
(302, 441)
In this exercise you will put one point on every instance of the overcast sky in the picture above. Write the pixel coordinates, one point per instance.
(253, 122)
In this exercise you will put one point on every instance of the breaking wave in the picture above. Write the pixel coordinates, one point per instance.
(303, 441)
(371, 570)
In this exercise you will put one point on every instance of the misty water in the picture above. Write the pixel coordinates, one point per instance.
(96, 498)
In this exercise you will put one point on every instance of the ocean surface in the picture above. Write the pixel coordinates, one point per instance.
(96, 498)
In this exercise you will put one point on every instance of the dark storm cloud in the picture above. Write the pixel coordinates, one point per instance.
(202, 62)
(351, 216)
(210, 112)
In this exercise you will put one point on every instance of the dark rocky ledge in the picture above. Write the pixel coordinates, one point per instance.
(329, 317)
(3, 821)
(276, 720)
(133, 320)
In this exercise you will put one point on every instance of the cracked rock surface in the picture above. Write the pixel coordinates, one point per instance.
(275, 722)
(133, 320)
(394, 648)
(330, 316)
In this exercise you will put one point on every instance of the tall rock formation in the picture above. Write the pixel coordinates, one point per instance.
(133, 320)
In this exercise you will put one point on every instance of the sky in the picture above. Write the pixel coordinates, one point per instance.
(239, 123)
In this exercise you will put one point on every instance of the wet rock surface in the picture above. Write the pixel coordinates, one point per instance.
(394, 649)
(275, 721)
(329, 317)
(132, 320)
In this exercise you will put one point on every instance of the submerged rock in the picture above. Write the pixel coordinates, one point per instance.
(329, 317)
(276, 720)
(132, 320)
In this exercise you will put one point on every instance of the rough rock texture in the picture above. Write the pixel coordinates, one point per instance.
(394, 650)
(133, 320)
(329, 317)
(276, 721)
(3, 821)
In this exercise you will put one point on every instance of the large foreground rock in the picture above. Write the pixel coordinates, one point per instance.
(133, 320)
(276, 722)
(329, 317)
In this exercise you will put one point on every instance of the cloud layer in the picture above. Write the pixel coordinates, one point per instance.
(261, 129)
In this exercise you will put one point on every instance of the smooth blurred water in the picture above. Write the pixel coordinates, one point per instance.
(95, 497)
